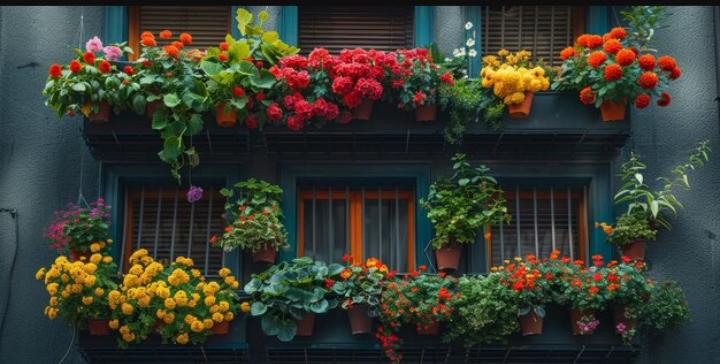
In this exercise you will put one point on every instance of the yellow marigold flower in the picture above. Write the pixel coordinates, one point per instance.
(127, 308)
(208, 323)
(90, 268)
(229, 316)
(229, 280)
(170, 303)
(214, 309)
(224, 306)
(235, 285)
(130, 280)
(113, 324)
(209, 301)
(169, 318)
(136, 269)
(96, 258)
(144, 301)
(107, 259)
(182, 339)
(197, 326)
(40, 274)
(128, 337)
(94, 247)
(218, 317)
(196, 273)
(224, 272)
(52, 288)
(87, 300)
(114, 295)
(160, 313)
(99, 292)
(138, 254)
(90, 281)
(65, 294)
(124, 329)
(76, 288)
(162, 292)
(64, 278)
(503, 52)
(245, 307)
(189, 319)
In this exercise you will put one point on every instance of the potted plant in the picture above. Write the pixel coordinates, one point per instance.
(74, 229)
(79, 289)
(359, 287)
(648, 210)
(514, 80)
(665, 308)
(421, 83)
(531, 288)
(288, 295)
(255, 216)
(89, 83)
(628, 290)
(611, 70)
(584, 291)
(458, 207)
(356, 77)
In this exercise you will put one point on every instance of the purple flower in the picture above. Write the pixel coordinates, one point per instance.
(94, 45)
(112, 53)
(620, 328)
(194, 194)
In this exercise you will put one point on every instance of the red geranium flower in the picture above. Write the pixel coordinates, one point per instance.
(75, 66)
(89, 57)
(251, 121)
(675, 73)
(664, 99)
(612, 72)
(612, 46)
(587, 97)
(618, 33)
(171, 50)
(567, 53)
(593, 290)
(667, 63)
(148, 42)
(294, 123)
(419, 97)
(595, 59)
(642, 101)
(648, 80)
(128, 70)
(224, 46)
(178, 44)
(165, 34)
(238, 91)
(625, 57)
(223, 57)
(104, 66)
(647, 62)
(55, 70)
(186, 38)
(274, 112)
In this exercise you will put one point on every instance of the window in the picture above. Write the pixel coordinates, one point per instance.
(543, 219)
(163, 222)
(366, 222)
(337, 27)
(208, 25)
(544, 30)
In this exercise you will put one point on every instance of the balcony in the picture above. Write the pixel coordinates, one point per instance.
(559, 127)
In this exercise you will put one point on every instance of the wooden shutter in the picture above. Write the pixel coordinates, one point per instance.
(162, 221)
(544, 30)
(208, 25)
(338, 27)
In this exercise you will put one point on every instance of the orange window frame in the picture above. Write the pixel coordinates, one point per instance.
(356, 218)
(510, 195)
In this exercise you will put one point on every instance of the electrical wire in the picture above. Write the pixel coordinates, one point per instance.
(75, 330)
(14, 214)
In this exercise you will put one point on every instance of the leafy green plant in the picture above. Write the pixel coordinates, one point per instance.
(464, 106)
(529, 283)
(642, 22)
(360, 284)
(285, 292)
(458, 207)
(666, 307)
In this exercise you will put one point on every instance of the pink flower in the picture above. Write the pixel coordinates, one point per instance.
(112, 53)
(94, 45)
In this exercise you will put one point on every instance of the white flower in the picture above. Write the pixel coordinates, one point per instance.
(472, 53)
(456, 52)
(468, 26)
(470, 42)
(448, 59)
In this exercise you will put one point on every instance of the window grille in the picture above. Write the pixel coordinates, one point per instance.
(543, 30)
(163, 222)
(335, 28)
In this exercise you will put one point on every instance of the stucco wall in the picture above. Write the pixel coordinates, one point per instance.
(39, 171)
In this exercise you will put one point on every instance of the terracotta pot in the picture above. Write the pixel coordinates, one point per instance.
(619, 317)
(522, 110)
(221, 328)
(74, 256)
(426, 112)
(634, 250)
(448, 257)
(306, 325)
(364, 110)
(360, 322)
(432, 329)
(98, 327)
(531, 324)
(103, 114)
(225, 119)
(612, 111)
(575, 316)
(265, 255)
(151, 107)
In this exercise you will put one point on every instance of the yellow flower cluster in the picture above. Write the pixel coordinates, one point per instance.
(511, 75)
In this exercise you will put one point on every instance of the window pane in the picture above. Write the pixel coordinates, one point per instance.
(325, 235)
(386, 232)
(208, 25)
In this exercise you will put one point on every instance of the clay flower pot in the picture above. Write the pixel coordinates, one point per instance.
(364, 110)
(98, 327)
(428, 330)
(360, 322)
(612, 111)
(74, 255)
(531, 324)
(620, 317)
(103, 114)
(575, 316)
(522, 110)
(221, 328)
(265, 255)
(426, 112)
(634, 250)
(225, 119)
(151, 107)
(306, 325)
(448, 257)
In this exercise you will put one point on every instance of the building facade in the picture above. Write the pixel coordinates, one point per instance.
(382, 168)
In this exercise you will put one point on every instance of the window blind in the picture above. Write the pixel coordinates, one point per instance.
(208, 25)
(339, 27)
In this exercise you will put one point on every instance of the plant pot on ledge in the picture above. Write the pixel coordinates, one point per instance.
(98, 327)
(364, 110)
(575, 316)
(612, 111)
(103, 113)
(265, 255)
(360, 322)
(531, 323)
(225, 119)
(448, 257)
(306, 325)
(634, 250)
(426, 112)
(221, 328)
(430, 329)
(522, 110)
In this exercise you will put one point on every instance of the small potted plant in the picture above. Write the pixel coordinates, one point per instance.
(628, 290)
(356, 80)
(74, 229)
(255, 216)
(666, 307)
(458, 207)
(647, 209)
(89, 83)
(531, 288)
(584, 291)
(288, 295)
(359, 287)
(79, 289)
(421, 83)
(513, 80)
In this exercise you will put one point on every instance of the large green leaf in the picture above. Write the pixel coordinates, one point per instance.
(138, 103)
(195, 124)
(171, 100)
(243, 18)
(266, 80)
(269, 325)
(258, 308)
(211, 68)
(286, 331)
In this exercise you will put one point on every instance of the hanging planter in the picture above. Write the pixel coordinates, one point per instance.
(634, 250)
(448, 257)
(522, 110)
(430, 329)
(221, 328)
(306, 325)
(103, 113)
(226, 119)
(531, 323)
(364, 110)
(360, 322)
(98, 327)
(583, 321)
(265, 255)
(427, 112)
(612, 111)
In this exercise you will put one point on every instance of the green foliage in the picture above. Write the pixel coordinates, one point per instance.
(464, 106)
(460, 206)
(360, 284)
(666, 307)
(642, 22)
(631, 227)
(285, 292)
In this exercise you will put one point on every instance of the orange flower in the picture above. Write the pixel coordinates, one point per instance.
(607, 229)
(345, 274)
(590, 41)
(675, 73)
(612, 286)
(648, 80)
(488, 236)
(171, 50)
(587, 96)
(567, 53)
(223, 46)
(612, 46)
(148, 42)
(664, 99)
(595, 59)
(147, 34)
(178, 44)
(667, 63)
(228, 229)
(186, 38)
(165, 34)
(642, 101)
(625, 57)
(612, 72)
(593, 290)
(647, 62)
(223, 57)
(577, 283)
(371, 262)
(618, 33)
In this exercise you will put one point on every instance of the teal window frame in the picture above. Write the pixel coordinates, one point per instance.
(290, 174)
